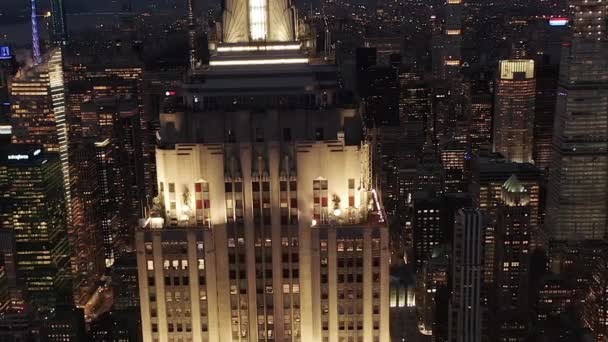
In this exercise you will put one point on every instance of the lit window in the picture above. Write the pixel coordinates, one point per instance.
(150, 265)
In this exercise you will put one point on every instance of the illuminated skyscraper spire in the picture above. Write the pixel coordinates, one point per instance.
(35, 38)
(258, 21)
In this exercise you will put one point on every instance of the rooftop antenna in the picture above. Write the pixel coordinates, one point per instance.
(35, 37)
(191, 35)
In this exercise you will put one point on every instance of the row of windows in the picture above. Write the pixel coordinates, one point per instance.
(176, 264)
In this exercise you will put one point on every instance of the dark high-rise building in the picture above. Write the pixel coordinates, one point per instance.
(111, 195)
(66, 325)
(465, 309)
(380, 100)
(8, 250)
(556, 294)
(115, 126)
(511, 262)
(547, 76)
(8, 67)
(5, 287)
(447, 39)
(123, 322)
(122, 83)
(415, 103)
(489, 175)
(577, 203)
(59, 30)
(512, 246)
(455, 163)
(482, 109)
(432, 281)
(427, 229)
(35, 209)
(365, 59)
(85, 229)
(124, 280)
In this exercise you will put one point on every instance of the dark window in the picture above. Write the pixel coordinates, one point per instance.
(231, 136)
(286, 134)
(259, 134)
(319, 134)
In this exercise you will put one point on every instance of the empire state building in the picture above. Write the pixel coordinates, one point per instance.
(266, 226)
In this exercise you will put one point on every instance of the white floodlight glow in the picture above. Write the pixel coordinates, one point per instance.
(260, 61)
(244, 48)
(257, 19)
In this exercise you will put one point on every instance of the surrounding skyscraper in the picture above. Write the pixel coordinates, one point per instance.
(8, 68)
(428, 233)
(452, 36)
(512, 262)
(35, 210)
(58, 22)
(447, 39)
(455, 160)
(489, 175)
(480, 124)
(512, 245)
(577, 203)
(84, 231)
(432, 280)
(514, 110)
(547, 76)
(38, 110)
(111, 177)
(465, 310)
(66, 325)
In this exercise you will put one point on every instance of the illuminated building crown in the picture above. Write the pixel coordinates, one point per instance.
(258, 21)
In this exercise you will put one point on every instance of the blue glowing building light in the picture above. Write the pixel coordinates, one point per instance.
(5, 52)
